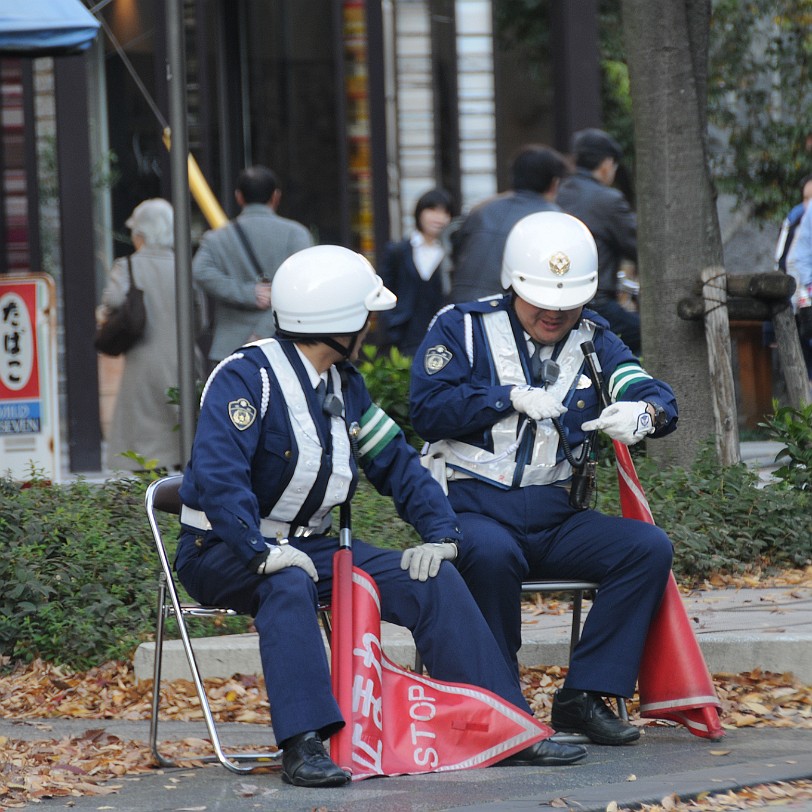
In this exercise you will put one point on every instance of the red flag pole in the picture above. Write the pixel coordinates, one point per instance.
(341, 643)
(674, 682)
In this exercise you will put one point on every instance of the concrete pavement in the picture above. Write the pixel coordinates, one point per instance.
(737, 629)
(665, 761)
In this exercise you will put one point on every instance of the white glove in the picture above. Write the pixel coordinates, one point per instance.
(284, 555)
(626, 421)
(423, 561)
(536, 403)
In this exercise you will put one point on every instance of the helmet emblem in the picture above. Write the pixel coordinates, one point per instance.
(559, 263)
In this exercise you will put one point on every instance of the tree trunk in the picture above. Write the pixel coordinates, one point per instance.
(666, 45)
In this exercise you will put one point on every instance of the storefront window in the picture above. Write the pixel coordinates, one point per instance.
(293, 113)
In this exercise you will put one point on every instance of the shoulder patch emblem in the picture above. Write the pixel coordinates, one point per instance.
(436, 358)
(242, 413)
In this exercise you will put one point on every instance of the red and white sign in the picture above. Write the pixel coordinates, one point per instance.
(29, 403)
(401, 723)
(674, 682)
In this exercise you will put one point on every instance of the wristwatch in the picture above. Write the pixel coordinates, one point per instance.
(660, 417)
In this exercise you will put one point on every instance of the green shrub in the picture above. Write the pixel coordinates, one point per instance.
(387, 377)
(720, 519)
(793, 428)
(79, 571)
(77, 566)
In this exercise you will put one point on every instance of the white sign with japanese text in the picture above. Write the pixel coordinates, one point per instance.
(29, 400)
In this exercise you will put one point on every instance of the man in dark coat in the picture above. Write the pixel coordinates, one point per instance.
(588, 194)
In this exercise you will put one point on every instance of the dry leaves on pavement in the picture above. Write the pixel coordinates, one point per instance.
(40, 690)
(79, 765)
(752, 699)
(87, 764)
(784, 794)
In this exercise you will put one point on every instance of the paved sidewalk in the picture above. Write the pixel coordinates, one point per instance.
(665, 761)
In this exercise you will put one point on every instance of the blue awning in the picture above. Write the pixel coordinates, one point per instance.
(45, 27)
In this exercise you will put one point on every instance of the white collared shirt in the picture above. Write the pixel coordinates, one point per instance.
(312, 372)
(427, 257)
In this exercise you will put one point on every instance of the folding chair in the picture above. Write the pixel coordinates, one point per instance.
(578, 589)
(162, 497)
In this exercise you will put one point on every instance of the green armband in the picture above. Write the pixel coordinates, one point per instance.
(377, 431)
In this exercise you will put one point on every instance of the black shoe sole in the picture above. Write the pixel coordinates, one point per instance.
(628, 737)
(547, 762)
(335, 781)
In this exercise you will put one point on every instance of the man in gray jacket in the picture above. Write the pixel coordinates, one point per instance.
(235, 264)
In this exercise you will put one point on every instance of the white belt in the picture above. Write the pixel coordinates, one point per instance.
(267, 527)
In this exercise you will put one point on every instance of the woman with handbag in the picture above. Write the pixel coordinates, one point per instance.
(143, 420)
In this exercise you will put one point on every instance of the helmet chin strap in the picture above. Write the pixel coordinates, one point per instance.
(345, 352)
(330, 341)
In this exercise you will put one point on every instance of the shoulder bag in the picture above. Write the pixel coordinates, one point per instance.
(124, 327)
(250, 251)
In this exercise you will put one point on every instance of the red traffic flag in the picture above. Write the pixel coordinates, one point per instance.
(401, 723)
(674, 682)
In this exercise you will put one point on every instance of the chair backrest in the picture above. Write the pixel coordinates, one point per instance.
(163, 494)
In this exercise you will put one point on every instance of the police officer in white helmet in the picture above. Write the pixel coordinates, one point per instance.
(271, 458)
(501, 390)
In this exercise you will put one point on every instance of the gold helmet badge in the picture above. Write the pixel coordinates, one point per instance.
(559, 263)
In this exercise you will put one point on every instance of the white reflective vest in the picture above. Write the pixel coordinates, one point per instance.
(307, 440)
(501, 465)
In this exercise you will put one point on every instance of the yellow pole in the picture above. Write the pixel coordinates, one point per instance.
(201, 191)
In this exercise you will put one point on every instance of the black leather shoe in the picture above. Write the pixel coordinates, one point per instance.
(305, 763)
(545, 753)
(587, 713)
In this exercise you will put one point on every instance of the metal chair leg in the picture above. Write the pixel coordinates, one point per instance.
(156, 675)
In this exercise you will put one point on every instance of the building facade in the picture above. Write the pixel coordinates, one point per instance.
(358, 105)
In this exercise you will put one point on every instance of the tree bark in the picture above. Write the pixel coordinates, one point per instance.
(723, 391)
(666, 46)
(737, 309)
(792, 357)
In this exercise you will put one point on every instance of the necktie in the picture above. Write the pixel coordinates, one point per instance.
(535, 363)
(321, 393)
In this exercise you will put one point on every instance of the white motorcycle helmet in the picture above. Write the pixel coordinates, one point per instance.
(551, 261)
(326, 290)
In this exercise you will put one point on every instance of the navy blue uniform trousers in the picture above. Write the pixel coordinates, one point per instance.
(532, 533)
(449, 631)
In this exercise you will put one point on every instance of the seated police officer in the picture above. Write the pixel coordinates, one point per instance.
(500, 389)
(269, 462)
